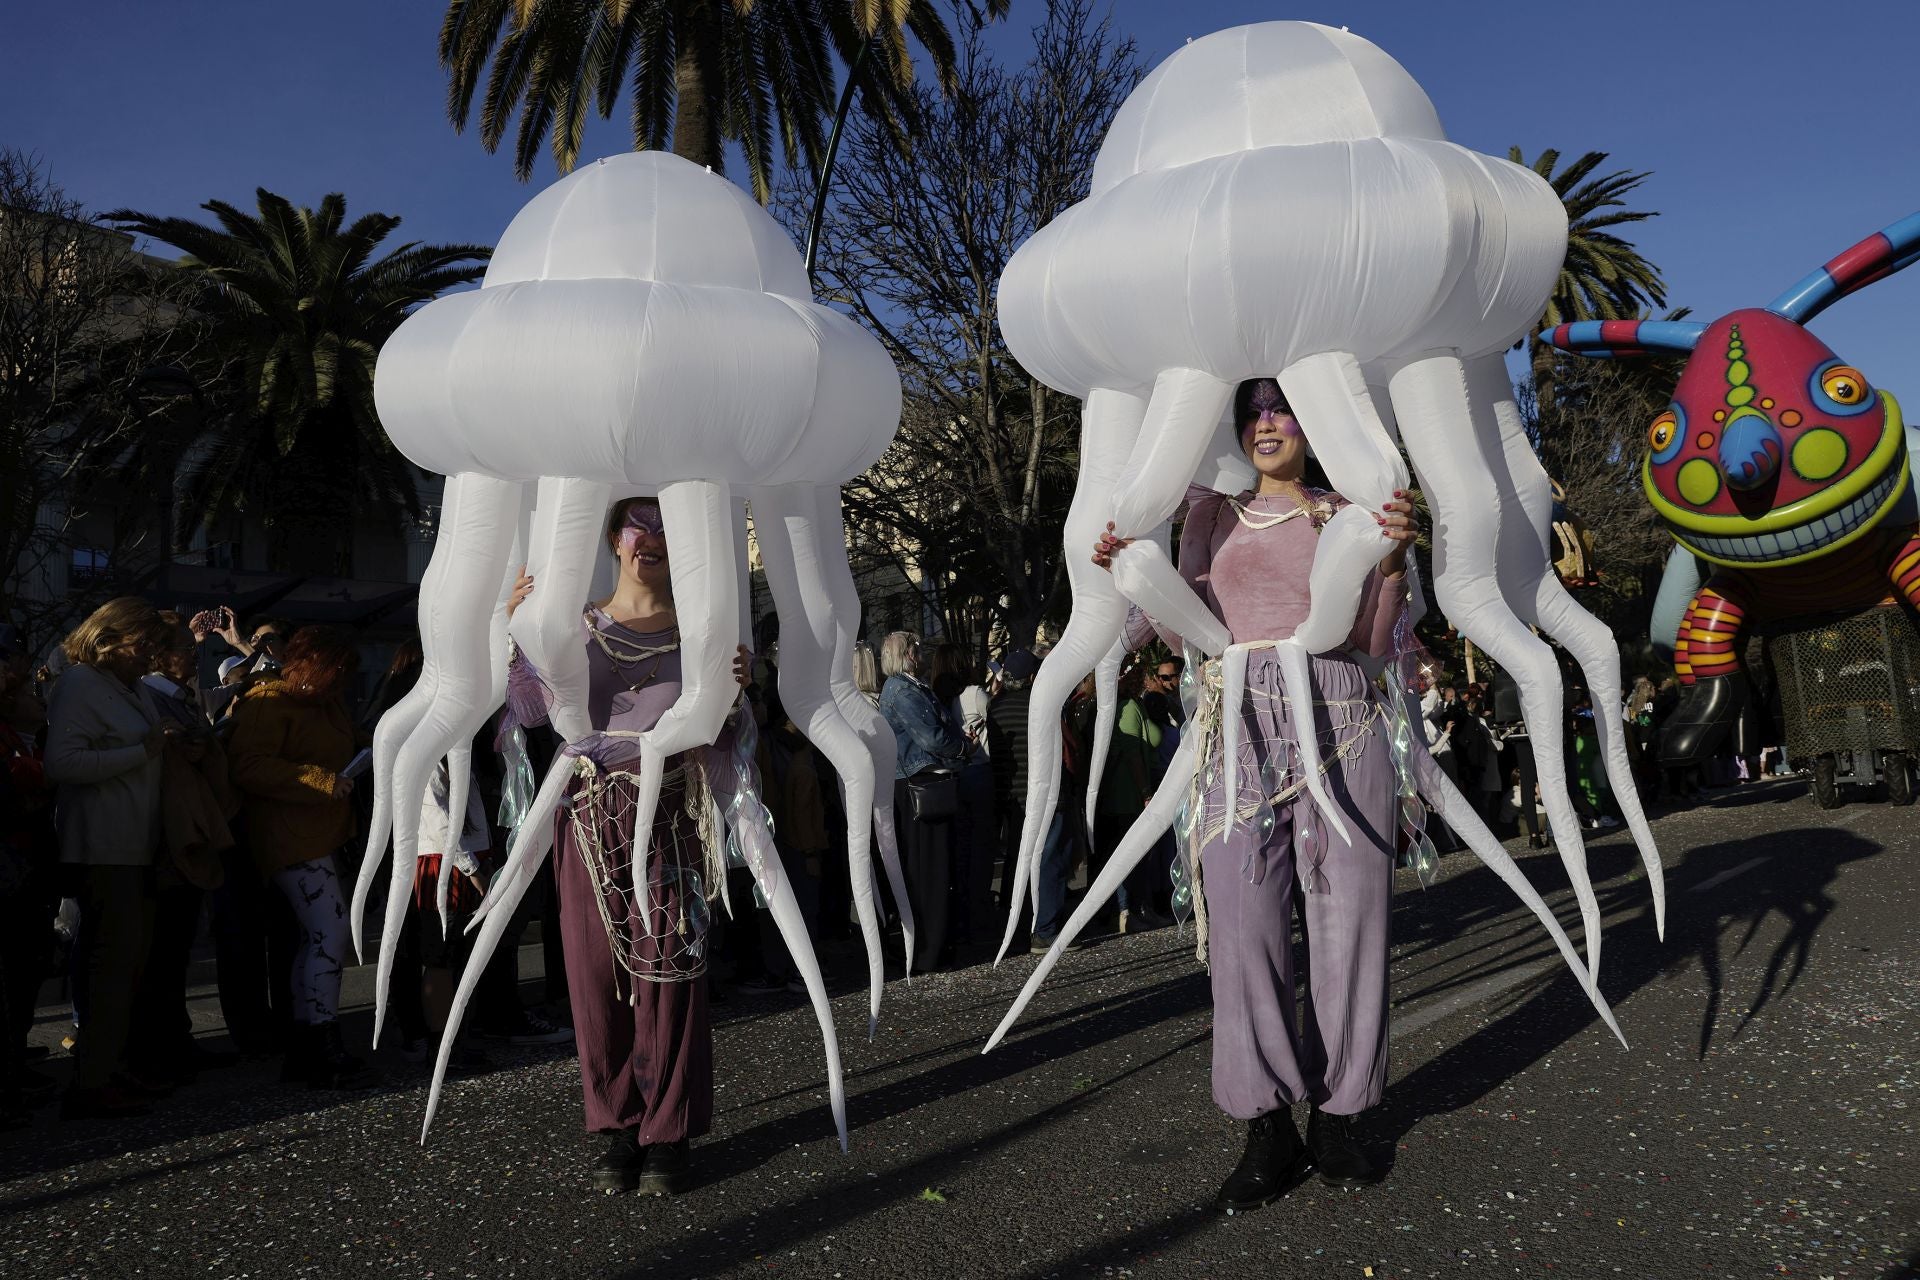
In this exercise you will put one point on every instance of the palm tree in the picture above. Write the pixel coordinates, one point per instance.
(704, 72)
(303, 305)
(1604, 277)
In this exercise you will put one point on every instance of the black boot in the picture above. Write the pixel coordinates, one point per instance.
(618, 1168)
(666, 1169)
(296, 1058)
(330, 1066)
(1274, 1163)
(1336, 1151)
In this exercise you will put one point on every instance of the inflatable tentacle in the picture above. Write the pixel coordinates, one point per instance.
(460, 759)
(698, 520)
(1147, 578)
(1175, 437)
(1109, 426)
(534, 841)
(1328, 392)
(1296, 668)
(751, 828)
(1139, 841)
(1431, 400)
(509, 887)
(865, 718)
(395, 727)
(1453, 809)
(480, 514)
(793, 548)
(567, 536)
(1106, 693)
(1542, 599)
(459, 765)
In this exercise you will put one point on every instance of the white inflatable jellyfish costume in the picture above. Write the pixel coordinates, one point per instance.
(644, 327)
(1287, 205)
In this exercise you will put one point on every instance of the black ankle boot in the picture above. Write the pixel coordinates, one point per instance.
(1274, 1163)
(296, 1057)
(618, 1168)
(666, 1168)
(330, 1066)
(1336, 1151)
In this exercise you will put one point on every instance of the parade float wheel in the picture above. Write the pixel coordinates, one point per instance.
(1897, 766)
(1826, 788)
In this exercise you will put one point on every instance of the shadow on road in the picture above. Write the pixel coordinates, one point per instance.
(739, 1239)
(236, 1098)
(1718, 890)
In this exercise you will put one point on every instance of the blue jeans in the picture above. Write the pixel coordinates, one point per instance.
(1050, 898)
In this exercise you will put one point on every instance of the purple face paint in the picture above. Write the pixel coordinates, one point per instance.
(642, 518)
(1270, 406)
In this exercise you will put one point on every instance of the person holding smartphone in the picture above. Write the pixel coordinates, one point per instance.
(196, 800)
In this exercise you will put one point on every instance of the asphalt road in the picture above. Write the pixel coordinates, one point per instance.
(1761, 1124)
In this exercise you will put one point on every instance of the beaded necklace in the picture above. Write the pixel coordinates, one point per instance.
(626, 653)
(1301, 507)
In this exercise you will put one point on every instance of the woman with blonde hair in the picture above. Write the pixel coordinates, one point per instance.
(104, 741)
(866, 672)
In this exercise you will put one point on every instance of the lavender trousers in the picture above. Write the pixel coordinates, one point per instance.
(1269, 1053)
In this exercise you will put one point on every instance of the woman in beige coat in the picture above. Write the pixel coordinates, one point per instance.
(103, 754)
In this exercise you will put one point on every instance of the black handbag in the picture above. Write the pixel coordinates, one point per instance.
(933, 796)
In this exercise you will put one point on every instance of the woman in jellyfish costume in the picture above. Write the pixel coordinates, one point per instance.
(1249, 557)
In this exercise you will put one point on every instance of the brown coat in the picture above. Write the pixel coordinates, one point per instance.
(286, 755)
(196, 800)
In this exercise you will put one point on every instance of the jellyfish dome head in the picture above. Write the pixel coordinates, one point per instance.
(1279, 190)
(648, 215)
(1268, 84)
(1774, 450)
(643, 321)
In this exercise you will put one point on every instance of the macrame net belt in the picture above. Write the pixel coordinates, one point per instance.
(1277, 782)
(659, 935)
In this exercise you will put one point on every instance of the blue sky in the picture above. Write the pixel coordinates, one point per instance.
(1778, 131)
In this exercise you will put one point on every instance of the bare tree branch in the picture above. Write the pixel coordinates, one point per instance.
(975, 487)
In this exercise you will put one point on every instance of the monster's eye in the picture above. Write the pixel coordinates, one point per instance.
(1667, 433)
(1841, 388)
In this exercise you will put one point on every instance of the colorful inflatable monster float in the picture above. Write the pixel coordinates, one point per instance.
(1780, 466)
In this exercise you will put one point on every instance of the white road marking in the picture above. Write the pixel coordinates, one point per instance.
(1485, 989)
(1728, 874)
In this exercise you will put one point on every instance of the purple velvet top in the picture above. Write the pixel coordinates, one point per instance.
(1256, 580)
(613, 704)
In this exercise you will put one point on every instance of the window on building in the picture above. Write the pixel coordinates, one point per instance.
(88, 564)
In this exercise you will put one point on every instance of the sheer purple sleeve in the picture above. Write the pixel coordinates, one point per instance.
(1382, 601)
(527, 695)
(1140, 629)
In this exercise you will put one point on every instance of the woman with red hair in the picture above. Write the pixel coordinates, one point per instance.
(292, 740)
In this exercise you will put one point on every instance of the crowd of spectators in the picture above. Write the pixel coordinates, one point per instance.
(143, 806)
(144, 809)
